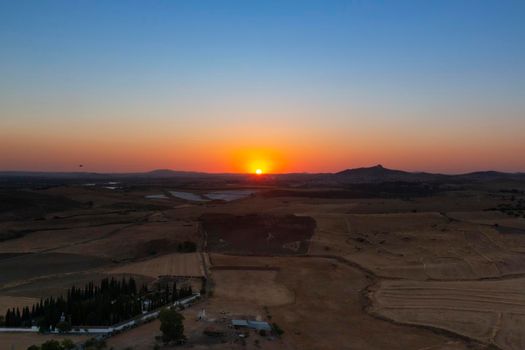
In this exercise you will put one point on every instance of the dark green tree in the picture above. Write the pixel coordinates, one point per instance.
(171, 325)
(68, 344)
(63, 327)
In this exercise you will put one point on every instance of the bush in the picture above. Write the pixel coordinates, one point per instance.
(63, 327)
(67, 344)
(278, 330)
(187, 247)
(94, 344)
(51, 345)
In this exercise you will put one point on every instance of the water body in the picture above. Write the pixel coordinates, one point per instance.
(156, 196)
(188, 196)
(229, 196)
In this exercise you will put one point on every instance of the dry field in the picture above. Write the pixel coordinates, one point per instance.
(139, 338)
(327, 310)
(418, 245)
(9, 302)
(252, 286)
(28, 267)
(492, 312)
(422, 273)
(188, 264)
(48, 240)
(137, 241)
(490, 218)
(317, 301)
(12, 341)
(71, 220)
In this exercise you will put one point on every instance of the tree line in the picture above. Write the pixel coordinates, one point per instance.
(111, 302)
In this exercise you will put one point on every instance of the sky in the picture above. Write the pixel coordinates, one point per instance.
(285, 86)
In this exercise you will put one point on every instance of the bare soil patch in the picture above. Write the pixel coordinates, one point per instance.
(255, 286)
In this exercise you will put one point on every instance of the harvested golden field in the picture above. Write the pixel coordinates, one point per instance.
(180, 264)
(419, 245)
(492, 312)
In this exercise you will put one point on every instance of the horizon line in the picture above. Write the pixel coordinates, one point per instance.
(250, 173)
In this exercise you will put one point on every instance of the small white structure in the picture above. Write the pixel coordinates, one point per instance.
(201, 315)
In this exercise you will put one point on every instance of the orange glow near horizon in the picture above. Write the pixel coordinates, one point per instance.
(130, 150)
(257, 161)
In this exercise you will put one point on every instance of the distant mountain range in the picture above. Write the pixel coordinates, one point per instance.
(379, 173)
(374, 174)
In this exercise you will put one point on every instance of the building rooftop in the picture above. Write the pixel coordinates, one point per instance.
(240, 323)
(259, 325)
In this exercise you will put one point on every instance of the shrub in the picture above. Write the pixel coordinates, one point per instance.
(67, 344)
(278, 330)
(51, 345)
(63, 327)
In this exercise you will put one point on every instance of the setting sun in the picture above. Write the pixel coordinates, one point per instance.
(258, 171)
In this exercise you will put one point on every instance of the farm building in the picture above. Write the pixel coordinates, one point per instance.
(257, 325)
